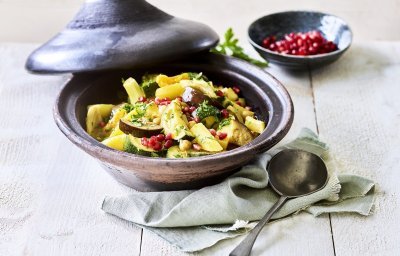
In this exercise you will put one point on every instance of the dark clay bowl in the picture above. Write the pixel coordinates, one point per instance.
(278, 24)
(268, 97)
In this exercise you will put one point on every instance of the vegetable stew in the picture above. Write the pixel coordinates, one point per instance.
(175, 117)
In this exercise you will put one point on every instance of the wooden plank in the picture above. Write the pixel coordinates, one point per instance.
(301, 233)
(47, 17)
(50, 191)
(358, 112)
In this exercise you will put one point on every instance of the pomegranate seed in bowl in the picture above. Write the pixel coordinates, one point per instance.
(309, 43)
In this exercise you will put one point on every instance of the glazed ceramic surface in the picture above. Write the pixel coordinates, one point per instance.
(278, 24)
(114, 34)
(263, 92)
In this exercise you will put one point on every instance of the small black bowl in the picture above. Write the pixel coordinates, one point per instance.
(278, 24)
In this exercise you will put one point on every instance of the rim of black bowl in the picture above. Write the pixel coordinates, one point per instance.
(256, 146)
(316, 56)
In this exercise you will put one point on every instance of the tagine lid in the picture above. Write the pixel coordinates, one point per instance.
(119, 34)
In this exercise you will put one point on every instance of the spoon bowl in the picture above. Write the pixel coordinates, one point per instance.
(295, 173)
(292, 173)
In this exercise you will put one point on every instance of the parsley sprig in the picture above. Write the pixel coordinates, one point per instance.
(230, 47)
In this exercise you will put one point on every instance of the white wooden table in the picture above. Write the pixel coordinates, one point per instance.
(51, 192)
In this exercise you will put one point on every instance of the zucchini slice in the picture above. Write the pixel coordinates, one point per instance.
(145, 130)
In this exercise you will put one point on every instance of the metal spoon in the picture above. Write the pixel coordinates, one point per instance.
(292, 173)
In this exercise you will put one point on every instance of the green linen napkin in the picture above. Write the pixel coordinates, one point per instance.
(228, 209)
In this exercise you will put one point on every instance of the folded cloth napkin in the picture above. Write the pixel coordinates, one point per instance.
(227, 209)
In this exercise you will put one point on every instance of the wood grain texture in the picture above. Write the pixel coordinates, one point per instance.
(37, 21)
(358, 113)
(50, 192)
(301, 233)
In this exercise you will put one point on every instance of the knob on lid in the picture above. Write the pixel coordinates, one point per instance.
(117, 34)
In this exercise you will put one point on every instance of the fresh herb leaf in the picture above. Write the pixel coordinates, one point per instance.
(149, 85)
(128, 107)
(197, 76)
(205, 109)
(224, 122)
(230, 47)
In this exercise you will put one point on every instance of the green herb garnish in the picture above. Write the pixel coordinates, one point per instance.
(149, 85)
(224, 122)
(128, 107)
(231, 48)
(197, 76)
(205, 110)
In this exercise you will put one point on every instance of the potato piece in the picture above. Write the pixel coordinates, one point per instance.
(230, 94)
(209, 121)
(254, 124)
(205, 139)
(163, 80)
(96, 114)
(133, 89)
(116, 132)
(113, 122)
(235, 113)
(172, 121)
(224, 143)
(116, 142)
(171, 91)
(238, 134)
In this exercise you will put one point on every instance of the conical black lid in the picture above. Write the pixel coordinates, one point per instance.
(113, 34)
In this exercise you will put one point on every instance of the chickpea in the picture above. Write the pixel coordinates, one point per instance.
(185, 145)
(157, 120)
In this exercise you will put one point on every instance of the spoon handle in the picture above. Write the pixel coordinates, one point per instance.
(244, 248)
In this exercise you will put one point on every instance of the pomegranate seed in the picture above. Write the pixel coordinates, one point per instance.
(309, 43)
(151, 142)
(102, 124)
(169, 136)
(157, 146)
(160, 137)
(192, 108)
(272, 47)
(219, 93)
(166, 99)
(236, 89)
(142, 99)
(157, 101)
(144, 141)
(213, 132)
(196, 146)
(168, 143)
(224, 113)
(239, 103)
(197, 119)
(185, 109)
(165, 102)
(222, 135)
